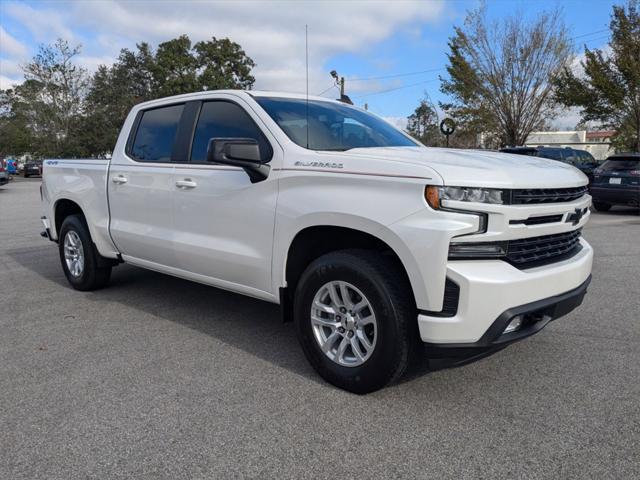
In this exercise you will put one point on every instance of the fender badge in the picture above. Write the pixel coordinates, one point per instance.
(319, 164)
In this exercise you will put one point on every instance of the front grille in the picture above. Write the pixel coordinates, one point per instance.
(535, 251)
(546, 195)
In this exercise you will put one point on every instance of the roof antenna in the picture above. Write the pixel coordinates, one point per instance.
(306, 45)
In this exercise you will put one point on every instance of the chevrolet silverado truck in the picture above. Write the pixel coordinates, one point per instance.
(377, 248)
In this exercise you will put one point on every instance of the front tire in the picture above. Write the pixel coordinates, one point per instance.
(356, 319)
(601, 206)
(80, 260)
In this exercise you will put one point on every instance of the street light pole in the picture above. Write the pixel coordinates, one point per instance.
(340, 82)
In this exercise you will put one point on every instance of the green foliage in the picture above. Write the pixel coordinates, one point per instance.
(40, 115)
(609, 90)
(422, 124)
(59, 111)
(499, 74)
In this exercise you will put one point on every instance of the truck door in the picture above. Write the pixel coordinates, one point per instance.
(140, 187)
(223, 222)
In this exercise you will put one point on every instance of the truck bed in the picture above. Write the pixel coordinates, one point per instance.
(83, 181)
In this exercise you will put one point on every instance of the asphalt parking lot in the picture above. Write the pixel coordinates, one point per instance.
(156, 377)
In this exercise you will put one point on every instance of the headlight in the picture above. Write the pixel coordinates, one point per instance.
(435, 195)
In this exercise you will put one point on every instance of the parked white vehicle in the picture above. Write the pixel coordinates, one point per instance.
(370, 242)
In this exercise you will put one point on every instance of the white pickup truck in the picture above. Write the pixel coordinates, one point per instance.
(371, 243)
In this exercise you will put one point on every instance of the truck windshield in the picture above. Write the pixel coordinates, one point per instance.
(332, 126)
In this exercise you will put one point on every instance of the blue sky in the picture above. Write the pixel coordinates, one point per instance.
(359, 39)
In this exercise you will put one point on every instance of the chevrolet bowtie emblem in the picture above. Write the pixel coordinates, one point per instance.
(576, 216)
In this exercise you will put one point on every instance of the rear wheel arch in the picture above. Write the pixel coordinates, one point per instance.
(63, 208)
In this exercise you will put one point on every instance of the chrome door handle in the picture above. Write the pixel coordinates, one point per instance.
(186, 183)
(120, 179)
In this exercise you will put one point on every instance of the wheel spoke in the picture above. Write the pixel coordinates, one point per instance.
(330, 341)
(355, 346)
(364, 340)
(341, 349)
(346, 299)
(367, 320)
(324, 322)
(361, 305)
(333, 293)
(325, 308)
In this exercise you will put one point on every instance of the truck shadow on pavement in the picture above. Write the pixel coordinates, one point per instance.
(251, 325)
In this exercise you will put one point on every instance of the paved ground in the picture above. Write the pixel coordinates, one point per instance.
(161, 378)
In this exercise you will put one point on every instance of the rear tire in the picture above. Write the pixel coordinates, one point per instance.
(81, 262)
(601, 206)
(368, 276)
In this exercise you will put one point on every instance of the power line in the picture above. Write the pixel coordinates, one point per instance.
(419, 72)
(396, 88)
(590, 33)
(396, 75)
(325, 91)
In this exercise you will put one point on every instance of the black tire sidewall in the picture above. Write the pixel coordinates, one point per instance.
(601, 206)
(380, 368)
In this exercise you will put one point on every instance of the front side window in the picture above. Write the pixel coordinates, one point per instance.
(319, 125)
(156, 134)
(586, 158)
(222, 119)
(553, 154)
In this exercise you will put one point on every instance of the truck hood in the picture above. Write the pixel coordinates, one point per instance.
(474, 168)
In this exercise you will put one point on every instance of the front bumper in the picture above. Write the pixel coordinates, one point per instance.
(535, 315)
(490, 290)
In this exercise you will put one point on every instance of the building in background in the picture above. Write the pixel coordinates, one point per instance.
(597, 144)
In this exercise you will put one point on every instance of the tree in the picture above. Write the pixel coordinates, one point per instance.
(175, 67)
(40, 115)
(422, 124)
(609, 90)
(14, 126)
(114, 90)
(500, 74)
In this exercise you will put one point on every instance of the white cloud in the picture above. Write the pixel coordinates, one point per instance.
(398, 122)
(45, 24)
(6, 82)
(9, 46)
(272, 33)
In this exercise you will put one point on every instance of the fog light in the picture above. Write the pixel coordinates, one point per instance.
(514, 324)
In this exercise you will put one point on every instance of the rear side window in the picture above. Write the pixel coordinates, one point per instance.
(226, 120)
(622, 164)
(156, 134)
(552, 154)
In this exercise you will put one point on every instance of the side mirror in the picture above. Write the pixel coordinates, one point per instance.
(238, 152)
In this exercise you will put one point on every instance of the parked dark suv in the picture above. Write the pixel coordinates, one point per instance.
(617, 182)
(32, 167)
(581, 159)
